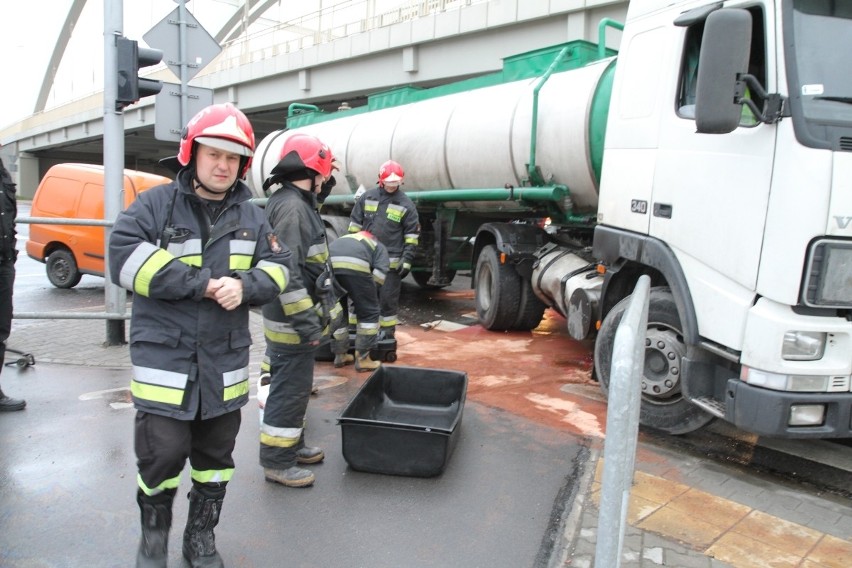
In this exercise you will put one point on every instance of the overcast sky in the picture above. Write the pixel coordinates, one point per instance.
(30, 30)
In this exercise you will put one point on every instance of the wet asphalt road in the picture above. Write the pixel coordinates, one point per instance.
(67, 478)
(67, 464)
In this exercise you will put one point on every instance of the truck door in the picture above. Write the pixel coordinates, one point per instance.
(710, 193)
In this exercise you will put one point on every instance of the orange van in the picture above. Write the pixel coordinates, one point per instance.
(76, 191)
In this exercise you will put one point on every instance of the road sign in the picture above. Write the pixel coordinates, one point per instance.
(167, 119)
(201, 48)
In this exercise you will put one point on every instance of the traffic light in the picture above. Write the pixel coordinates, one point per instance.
(130, 59)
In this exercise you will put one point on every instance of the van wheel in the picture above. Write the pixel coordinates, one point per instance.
(62, 269)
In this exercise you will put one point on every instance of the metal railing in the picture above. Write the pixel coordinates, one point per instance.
(285, 37)
(123, 315)
(310, 30)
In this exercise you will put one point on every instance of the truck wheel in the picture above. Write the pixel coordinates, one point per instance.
(335, 226)
(530, 310)
(497, 288)
(62, 269)
(422, 279)
(663, 405)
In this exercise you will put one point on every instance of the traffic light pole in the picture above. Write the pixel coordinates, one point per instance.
(184, 76)
(115, 296)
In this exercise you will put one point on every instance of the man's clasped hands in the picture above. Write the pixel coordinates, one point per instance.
(227, 291)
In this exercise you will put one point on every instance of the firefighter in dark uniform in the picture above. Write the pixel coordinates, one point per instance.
(391, 216)
(8, 255)
(295, 325)
(360, 263)
(195, 253)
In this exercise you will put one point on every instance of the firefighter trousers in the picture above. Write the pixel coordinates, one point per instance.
(389, 296)
(363, 294)
(163, 445)
(291, 381)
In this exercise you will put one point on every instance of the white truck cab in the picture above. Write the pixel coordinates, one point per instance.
(742, 209)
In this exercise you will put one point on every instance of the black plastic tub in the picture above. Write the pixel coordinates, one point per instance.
(404, 421)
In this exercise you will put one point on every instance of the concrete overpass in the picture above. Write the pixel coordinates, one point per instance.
(420, 47)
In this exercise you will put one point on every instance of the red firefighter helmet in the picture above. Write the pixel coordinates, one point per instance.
(391, 172)
(303, 151)
(221, 126)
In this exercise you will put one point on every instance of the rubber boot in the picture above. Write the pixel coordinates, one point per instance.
(343, 359)
(156, 513)
(290, 477)
(309, 454)
(199, 542)
(365, 362)
(10, 404)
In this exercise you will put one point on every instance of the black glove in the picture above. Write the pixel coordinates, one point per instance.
(404, 270)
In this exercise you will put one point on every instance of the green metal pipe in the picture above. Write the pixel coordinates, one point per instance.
(534, 131)
(546, 193)
(554, 193)
(294, 107)
(604, 23)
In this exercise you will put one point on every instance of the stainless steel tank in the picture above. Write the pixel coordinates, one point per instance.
(474, 139)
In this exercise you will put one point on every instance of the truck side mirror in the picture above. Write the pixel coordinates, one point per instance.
(725, 50)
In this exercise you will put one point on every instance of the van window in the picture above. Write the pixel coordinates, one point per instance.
(92, 204)
(59, 197)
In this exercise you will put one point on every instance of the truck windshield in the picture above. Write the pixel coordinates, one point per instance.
(820, 81)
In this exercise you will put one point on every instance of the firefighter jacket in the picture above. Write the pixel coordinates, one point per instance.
(8, 212)
(360, 253)
(392, 219)
(190, 356)
(303, 312)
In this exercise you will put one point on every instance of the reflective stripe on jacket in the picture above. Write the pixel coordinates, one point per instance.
(360, 253)
(392, 219)
(189, 354)
(298, 316)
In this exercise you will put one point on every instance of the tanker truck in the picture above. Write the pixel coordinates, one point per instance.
(711, 152)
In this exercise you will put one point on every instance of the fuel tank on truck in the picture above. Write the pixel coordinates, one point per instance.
(479, 138)
(570, 285)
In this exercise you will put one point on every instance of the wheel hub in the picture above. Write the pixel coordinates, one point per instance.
(663, 355)
(483, 289)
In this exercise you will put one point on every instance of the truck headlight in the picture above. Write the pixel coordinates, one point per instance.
(784, 382)
(828, 276)
(803, 345)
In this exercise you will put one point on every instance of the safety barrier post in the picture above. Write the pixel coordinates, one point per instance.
(622, 426)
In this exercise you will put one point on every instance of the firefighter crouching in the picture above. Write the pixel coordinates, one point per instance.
(360, 264)
(195, 253)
